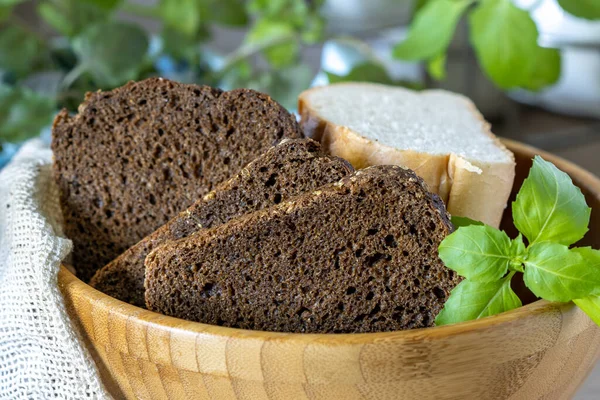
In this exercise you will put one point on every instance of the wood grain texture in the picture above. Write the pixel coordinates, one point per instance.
(540, 351)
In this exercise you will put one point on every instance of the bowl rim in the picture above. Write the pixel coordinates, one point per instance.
(68, 282)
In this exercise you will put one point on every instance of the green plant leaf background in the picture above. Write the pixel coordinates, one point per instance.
(432, 30)
(504, 38)
(22, 113)
(19, 50)
(112, 52)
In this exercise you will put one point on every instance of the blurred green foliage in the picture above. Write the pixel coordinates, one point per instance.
(22, 112)
(504, 37)
(94, 48)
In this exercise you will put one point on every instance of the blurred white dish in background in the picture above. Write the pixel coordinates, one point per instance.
(578, 90)
(339, 56)
(360, 16)
(556, 26)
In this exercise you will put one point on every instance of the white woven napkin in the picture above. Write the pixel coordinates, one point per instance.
(41, 354)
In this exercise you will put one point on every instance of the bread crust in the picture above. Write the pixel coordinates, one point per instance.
(471, 188)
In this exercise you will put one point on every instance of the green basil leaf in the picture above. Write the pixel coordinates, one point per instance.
(591, 306)
(280, 54)
(113, 52)
(546, 69)
(518, 253)
(19, 49)
(555, 273)
(437, 67)
(432, 29)
(517, 247)
(504, 38)
(549, 207)
(181, 15)
(473, 300)
(479, 253)
(463, 221)
(23, 113)
(591, 258)
(364, 72)
(588, 9)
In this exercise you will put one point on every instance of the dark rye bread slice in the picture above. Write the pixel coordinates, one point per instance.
(359, 255)
(135, 157)
(294, 166)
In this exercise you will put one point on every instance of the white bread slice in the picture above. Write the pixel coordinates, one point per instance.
(438, 134)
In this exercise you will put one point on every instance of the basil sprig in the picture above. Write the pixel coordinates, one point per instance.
(551, 213)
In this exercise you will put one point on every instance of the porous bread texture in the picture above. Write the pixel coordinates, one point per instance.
(438, 134)
(359, 255)
(135, 157)
(292, 167)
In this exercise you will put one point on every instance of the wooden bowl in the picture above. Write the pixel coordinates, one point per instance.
(542, 350)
